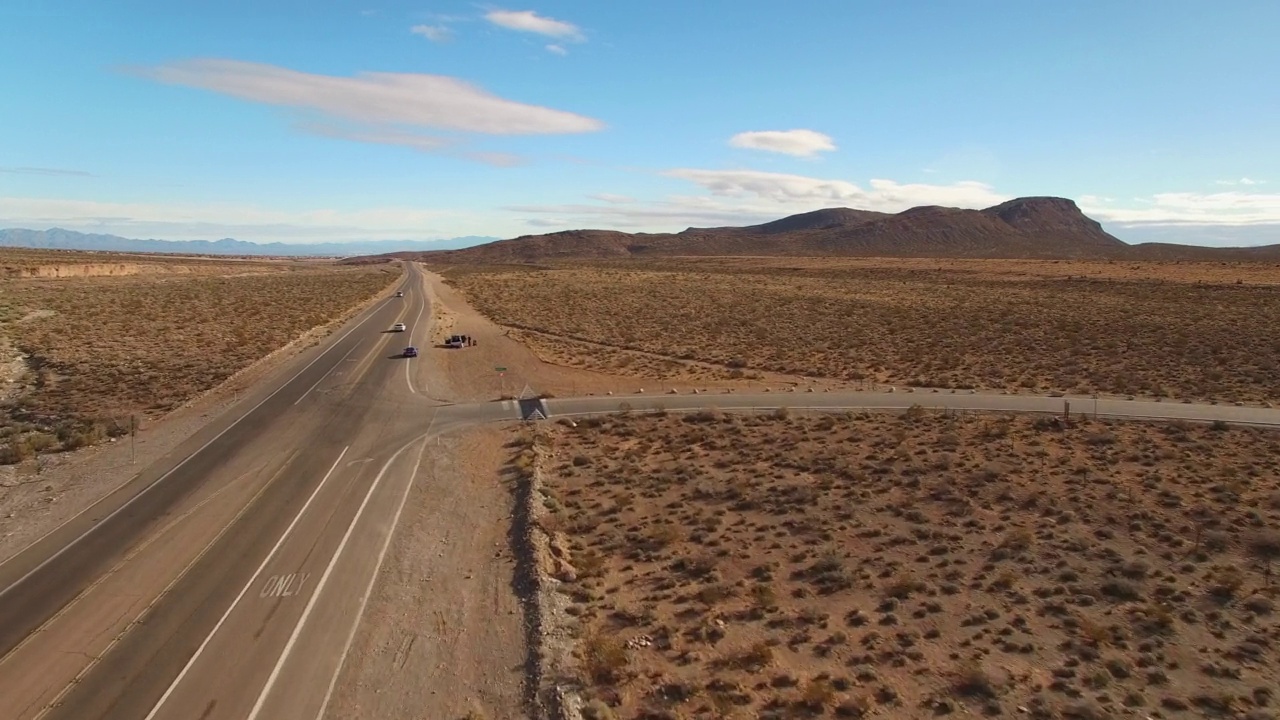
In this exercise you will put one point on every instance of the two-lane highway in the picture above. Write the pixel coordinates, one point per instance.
(201, 578)
(228, 580)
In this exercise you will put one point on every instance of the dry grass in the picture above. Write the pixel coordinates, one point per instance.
(100, 349)
(807, 566)
(1070, 327)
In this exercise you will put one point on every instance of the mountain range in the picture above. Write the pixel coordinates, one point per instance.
(1029, 227)
(60, 239)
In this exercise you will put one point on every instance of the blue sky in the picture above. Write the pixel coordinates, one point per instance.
(322, 120)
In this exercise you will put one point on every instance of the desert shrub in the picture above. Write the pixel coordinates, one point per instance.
(604, 658)
(972, 681)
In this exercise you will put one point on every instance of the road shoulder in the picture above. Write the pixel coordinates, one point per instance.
(443, 626)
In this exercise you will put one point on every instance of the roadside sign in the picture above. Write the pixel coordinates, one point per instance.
(500, 369)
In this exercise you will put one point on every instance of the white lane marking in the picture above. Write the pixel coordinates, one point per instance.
(124, 561)
(161, 479)
(252, 580)
(324, 580)
(284, 585)
(163, 593)
(411, 331)
(377, 567)
(322, 377)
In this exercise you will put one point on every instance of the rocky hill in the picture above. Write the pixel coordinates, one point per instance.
(1031, 227)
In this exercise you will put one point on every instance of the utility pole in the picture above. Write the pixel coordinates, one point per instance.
(133, 435)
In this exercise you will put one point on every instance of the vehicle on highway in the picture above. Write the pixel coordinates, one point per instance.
(398, 327)
(411, 351)
(399, 294)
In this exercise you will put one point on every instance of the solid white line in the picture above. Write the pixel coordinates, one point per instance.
(411, 331)
(322, 377)
(377, 567)
(204, 551)
(160, 479)
(173, 685)
(319, 590)
(120, 565)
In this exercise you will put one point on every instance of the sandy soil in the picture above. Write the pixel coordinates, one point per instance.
(37, 497)
(470, 375)
(442, 635)
(1012, 328)
(806, 566)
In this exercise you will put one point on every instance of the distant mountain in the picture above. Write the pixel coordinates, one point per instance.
(1030, 227)
(60, 239)
(1013, 229)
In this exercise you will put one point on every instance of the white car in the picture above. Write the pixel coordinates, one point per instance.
(399, 294)
(398, 327)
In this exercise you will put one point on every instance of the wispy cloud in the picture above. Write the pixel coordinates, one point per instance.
(612, 198)
(496, 159)
(800, 143)
(557, 49)
(434, 144)
(434, 33)
(377, 135)
(1241, 181)
(1189, 208)
(884, 195)
(375, 98)
(45, 171)
(741, 197)
(208, 221)
(531, 22)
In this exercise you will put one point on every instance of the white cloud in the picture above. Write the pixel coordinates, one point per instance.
(1241, 181)
(883, 195)
(376, 98)
(496, 159)
(383, 135)
(557, 50)
(743, 197)
(800, 143)
(530, 21)
(211, 221)
(434, 33)
(612, 198)
(378, 135)
(54, 172)
(1186, 208)
(778, 187)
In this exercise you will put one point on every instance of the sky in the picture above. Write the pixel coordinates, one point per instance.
(328, 120)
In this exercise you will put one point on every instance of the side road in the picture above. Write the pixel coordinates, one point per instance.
(461, 415)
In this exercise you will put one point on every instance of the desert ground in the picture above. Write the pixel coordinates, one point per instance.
(93, 341)
(1193, 331)
(780, 566)
(786, 566)
(443, 631)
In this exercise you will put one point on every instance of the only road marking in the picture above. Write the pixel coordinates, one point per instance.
(284, 585)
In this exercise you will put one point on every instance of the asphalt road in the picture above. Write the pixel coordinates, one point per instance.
(462, 415)
(222, 579)
(228, 579)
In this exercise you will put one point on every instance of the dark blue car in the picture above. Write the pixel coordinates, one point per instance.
(411, 351)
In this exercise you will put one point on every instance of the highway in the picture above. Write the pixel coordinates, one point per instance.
(228, 579)
(222, 581)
